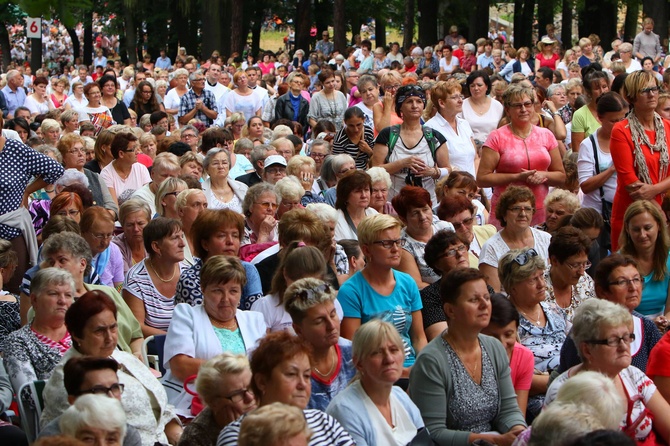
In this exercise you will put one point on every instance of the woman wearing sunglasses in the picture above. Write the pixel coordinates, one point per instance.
(543, 327)
(381, 292)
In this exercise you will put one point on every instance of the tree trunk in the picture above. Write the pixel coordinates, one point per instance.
(191, 43)
(224, 37)
(237, 37)
(211, 31)
(76, 47)
(302, 25)
(545, 16)
(256, 31)
(5, 47)
(130, 35)
(630, 24)
(523, 23)
(608, 23)
(88, 38)
(35, 54)
(380, 30)
(657, 10)
(340, 27)
(428, 22)
(566, 24)
(408, 30)
(479, 20)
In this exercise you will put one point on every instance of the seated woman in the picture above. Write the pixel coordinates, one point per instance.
(134, 215)
(414, 209)
(444, 252)
(68, 204)
(221, 190)
(379, 291)
(372, 409)
(337, 263)
(166, 197)
(568, 285)
(216, 232)
(199, 333)
(150, 285)
(275, 423)
(460, 212)
(558, 204)
(304, 169)
(381, 183)
(543, 327)
(463, 183)
(504, 326)
(223, 385)
(352, 203)
(92, 322)
(260, 209)
(313, 307)
(70, 252)
(618, 280)
(461, 381)
(97, 228)
(124, 172)
(290, 193)
(95, 419)
(32, 352)
(297, 262)
(281, 368)
(514, 211)
(603, 332)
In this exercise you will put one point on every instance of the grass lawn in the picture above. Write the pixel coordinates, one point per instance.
(274, 40)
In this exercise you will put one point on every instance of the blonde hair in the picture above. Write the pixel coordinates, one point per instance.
(370, 227)
(271, 424)
(208, 382)
(166, 187)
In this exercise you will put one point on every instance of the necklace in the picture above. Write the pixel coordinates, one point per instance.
(519, 136)
(220, 325)
(479, 106)
(332, 367)
(472, 371)
(537, 319)
(174, 272)
(123, 176)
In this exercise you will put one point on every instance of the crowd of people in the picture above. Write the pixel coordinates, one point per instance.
(465, 243)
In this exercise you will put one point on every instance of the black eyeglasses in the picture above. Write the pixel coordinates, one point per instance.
(650, 90)
(239, 395)
(314, 292)
(388, 244)
(525, 257)
(614, 341)
(115, 390)
(454, 251)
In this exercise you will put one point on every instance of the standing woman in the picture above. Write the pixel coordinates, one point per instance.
(173, 97)
(585, 120)
(39, 102)
(109, 86)
(639, 149)
(409, 152)
(243, 99)
(520, 153)
(144, 102)
(447, 98)
(546, 57)
(383, 112)
(77, 99)
(329, 103)
(58, 95)
(481, 111)
(355, 138)
(96, 113)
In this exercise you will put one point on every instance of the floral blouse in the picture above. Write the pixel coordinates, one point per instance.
(585, 289)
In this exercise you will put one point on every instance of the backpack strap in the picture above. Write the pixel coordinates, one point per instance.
(427, 133)
(393, 139)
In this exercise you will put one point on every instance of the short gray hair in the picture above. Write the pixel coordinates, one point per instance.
(553, 88)
(511, 273)
(47, 149)
(339, 161)
(71, 176)
(69, 242)
(561, 424)
(99, 411)
(378, 174)
(184, 195)
(208, 382)
(325, 212)
(131, 206)
(289, 188)
(50, 276)
(211, 153)
(196, 73)
(254, 193)
(470, 47)
(592, 316)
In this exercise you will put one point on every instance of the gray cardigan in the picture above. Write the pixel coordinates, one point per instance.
(430, 386)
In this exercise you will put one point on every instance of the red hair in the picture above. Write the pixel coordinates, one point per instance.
(65, 199)
(411, 197)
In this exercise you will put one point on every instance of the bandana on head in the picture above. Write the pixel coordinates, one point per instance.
(405, 92)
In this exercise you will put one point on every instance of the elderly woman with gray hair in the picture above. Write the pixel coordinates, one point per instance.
(543, 327)
(222, 192)
(557, 94)
(603, 333)
(32, 352)
(95, 419)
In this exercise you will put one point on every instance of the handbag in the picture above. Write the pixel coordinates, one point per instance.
(196, 403)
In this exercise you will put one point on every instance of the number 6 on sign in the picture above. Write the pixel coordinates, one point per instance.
(33, 27)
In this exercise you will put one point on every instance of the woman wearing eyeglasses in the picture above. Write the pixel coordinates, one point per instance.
(603, 333)
(639, 147)
(97, 228)
(381, 292)
(352, 203)
(144, 102)
(520, 153)
(124, 173)
(222, 192)
(260, 210)
(543, 327)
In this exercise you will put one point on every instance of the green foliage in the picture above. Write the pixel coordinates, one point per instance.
(67, 11)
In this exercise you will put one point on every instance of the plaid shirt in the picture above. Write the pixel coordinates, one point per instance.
(188, 103)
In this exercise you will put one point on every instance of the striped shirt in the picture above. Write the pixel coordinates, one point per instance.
(158, 308)
(326, 431)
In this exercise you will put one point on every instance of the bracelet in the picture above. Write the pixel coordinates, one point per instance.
(436, 174)
(556, 113)
(443, 172)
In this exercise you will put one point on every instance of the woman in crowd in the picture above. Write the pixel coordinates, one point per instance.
(150, 285)
(411, 153)
(39, 102)
(353, 203)
(281, 368)
(372, 409)
(243, 99)
(328, 103)
(444, 252)
(314, 311)
(50, 129)
(95, 419)
(463, 183)
(223, 385)
(543, 327)
(102, 152)
(97, 228)
(381, 183)
(191, 164)
(254, 129)
(547, 57)
(22, 127)
(355, 138)
(94, 112)
(384, 112)
(92, 322)
(303, 169)
(585, 120)
(134, 215)
(235, 123)
(603, 334)
(479, 110)
(290, 192)
(514, 210)
(72, 149)
(558, 204)
(198, 333)
(641, 165)
(447, 99)
(222, 192)
(67, 204)
(149, 145)
(124, 173)
(275, 423)
(369, 91)
(379, 291)
(504, 326)
(520, 154)
(10, 314)
(460, 212)
(166, 197)
(77, 99)
(173, 97)
(448, 62)
(461, 381)
(58, 88)
(568, 285)
(32, 352)
(260, 210)
(415, 211)
(618, 280)
(144, 101)
(588, 55)
(645, 238)
(109, 87)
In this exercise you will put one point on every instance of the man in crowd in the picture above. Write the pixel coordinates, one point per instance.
(212, 83)
(258, 157)
(15, 94)
(163, 62)
(197, 102)
(324, 45)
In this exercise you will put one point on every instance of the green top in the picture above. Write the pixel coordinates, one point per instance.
(584, 121)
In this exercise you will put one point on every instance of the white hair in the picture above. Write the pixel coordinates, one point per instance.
(98, 411)
(325, 212)
(378, 174)
(71, 176)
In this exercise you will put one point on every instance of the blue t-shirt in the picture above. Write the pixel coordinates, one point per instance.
(359, 300)
(323, 392)
(654, 294)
